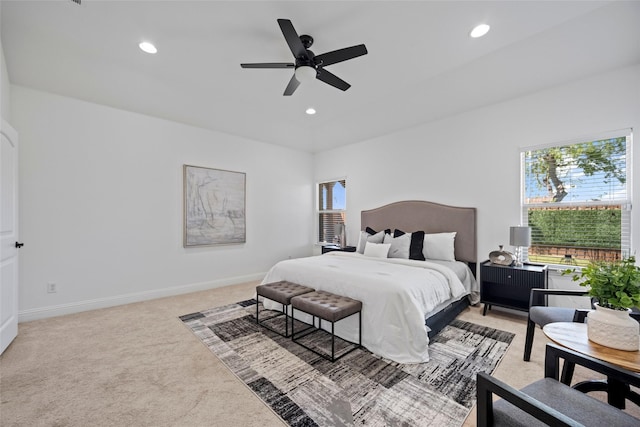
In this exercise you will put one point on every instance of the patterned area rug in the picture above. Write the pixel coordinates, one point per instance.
(304, 389)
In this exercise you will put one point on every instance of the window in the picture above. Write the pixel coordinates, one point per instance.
(332, 197)
(577, 199)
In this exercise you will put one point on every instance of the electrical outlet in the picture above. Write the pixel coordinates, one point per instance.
(52, 288)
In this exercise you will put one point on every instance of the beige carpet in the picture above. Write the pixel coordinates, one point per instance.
(138, 365)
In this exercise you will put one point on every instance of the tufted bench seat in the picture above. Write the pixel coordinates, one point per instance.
(281, 292)
(330, 307)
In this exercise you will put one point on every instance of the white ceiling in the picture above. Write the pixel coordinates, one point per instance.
(421, 66)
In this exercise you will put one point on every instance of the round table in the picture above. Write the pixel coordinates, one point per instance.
(573, 335)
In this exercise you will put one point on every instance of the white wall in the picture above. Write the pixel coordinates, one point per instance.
(473, 159)
(101, 205)
(5, 86)
(101, 189)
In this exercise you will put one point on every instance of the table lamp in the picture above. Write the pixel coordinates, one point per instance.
(340, 234)
(520, 237)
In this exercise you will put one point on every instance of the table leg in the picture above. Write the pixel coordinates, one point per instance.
(617, 391)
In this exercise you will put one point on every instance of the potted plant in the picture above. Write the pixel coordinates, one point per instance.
(615, 286)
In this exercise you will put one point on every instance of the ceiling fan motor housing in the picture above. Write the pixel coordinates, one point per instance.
(306, 40)
(308, 60)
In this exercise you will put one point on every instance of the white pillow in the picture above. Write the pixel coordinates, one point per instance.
(377, 250)
(439, 246)
(366, 237)
(399, 245)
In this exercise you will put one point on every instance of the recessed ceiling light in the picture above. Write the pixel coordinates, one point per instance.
(148, 47)
(310, 111)
(479, 31)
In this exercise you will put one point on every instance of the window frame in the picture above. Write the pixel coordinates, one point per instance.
(626, 204)
(320, 211)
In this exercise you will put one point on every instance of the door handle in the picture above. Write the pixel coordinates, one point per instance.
(19, 245)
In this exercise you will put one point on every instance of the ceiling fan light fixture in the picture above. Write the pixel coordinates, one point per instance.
(479, 30)
(305, 73)
(148, 47)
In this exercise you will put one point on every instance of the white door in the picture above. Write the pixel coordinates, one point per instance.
(8, 235)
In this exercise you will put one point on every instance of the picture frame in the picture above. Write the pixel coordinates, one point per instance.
(214, 206)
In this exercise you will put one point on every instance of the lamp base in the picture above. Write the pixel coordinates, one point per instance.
(519, 258)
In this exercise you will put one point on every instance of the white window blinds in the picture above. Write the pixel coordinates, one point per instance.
(576, 199)
(332, 197)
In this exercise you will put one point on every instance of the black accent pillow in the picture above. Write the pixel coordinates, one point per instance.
(372, 231)
(417, 243)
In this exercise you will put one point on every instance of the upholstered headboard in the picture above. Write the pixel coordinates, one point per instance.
(416, 215)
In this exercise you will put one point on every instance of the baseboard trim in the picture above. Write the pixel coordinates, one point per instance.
(94, 304)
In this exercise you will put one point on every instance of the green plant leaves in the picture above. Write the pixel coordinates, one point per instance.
(615, 284)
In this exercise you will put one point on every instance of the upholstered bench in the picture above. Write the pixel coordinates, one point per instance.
(330, 307)
(281, 292)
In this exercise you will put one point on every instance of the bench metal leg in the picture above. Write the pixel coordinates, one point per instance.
(333, 342)
(360, 329)
(296, 336)
(311, 328)
(286, 320)
(284, 312)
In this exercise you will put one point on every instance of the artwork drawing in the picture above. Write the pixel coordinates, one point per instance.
(214, 206)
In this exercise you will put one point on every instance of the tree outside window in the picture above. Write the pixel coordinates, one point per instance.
(576, 200)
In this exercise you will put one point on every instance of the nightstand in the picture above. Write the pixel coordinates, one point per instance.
(331, 248)
(510, 286)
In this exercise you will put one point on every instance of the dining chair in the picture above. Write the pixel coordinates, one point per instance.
(541, 314)
(550, 401)
(589, 386)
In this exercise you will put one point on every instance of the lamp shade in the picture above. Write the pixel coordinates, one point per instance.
(520, 236)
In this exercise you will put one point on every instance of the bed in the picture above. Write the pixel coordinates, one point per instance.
(405, 301)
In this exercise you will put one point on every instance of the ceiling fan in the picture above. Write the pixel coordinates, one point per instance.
(307, 65)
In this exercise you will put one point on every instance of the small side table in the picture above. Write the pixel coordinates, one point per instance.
(510, 286)
(331, 248)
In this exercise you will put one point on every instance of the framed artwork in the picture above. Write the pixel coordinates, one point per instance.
(214, 206)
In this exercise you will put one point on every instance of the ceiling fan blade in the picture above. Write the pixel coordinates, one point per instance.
(340, 55)
(292, 86)
(292, 38)
(332, 79)
(269, 65)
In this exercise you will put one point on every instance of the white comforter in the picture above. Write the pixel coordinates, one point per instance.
(396, 295)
